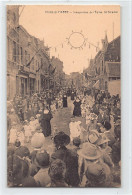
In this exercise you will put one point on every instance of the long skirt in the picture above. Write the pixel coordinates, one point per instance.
(77, 111)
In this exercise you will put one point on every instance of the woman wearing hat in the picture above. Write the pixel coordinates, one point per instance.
(61, 140)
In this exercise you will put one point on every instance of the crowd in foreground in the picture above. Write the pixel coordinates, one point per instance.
(88, 157)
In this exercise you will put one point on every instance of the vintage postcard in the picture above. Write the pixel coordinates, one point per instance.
(63, 96)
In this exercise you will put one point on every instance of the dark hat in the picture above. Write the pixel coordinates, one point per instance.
(22, 151)
(61, 139)
(76, 141)
(89, 151)
(42, 158)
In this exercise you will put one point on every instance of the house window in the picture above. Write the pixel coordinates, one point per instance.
(26, 58)
(102, 65)
(106, 85)
(21, 53)
(33, 64)
(14, 18)
(99, 70)
(14, 51)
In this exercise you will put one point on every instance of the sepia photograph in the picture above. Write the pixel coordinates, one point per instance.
(63, 96)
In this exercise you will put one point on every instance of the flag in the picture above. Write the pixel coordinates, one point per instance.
(30, 62)
(49, 67)
(32, 58)
(39, 68)
(53, 71)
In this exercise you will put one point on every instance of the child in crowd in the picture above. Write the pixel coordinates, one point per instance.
(42, 160)
(32, 124)
(27, 131)
(57, 173)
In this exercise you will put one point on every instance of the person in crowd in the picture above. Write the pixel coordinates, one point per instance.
(29, 112)
(42, 160)
(44, 120)
(106, 150)
(64, 100)
(69, 158)
(116, 147)
(77, 107)
(32, 125)
(98, 175)
(37, 144)
(93, 122)
(90, 155)
(72, 95)
(57, 172)
(75, 145)
(27, 131)
(19, 169)
(38, 139)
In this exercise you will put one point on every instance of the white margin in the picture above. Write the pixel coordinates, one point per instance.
(126, 97)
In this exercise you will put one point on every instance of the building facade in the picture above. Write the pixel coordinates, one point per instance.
(29, 65)
(107, 64)
(12, 50)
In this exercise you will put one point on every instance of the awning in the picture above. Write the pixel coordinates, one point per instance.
(23, 76)
(96, 85)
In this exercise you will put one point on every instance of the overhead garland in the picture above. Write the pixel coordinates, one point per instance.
(76, 40)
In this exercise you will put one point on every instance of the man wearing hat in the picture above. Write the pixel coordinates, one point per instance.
(61, 140)
(90, 154)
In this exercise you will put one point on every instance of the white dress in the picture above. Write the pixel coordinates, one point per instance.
(75, 130)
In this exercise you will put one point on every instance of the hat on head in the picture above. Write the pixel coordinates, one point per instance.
(94, 136)
(37, 141)
(42, 158)
(61, 139)
(76, 141)
(89, 151)
(98, 174)
(103, 140)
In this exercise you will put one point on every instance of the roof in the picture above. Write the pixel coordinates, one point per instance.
(113, 69)
(113, 50)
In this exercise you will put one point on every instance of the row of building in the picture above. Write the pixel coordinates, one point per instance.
(29, 66)
(104, 70)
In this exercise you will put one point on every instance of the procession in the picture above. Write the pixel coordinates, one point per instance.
(63, 99)
(87, 152)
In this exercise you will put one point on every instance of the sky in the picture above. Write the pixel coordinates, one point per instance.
(78, 26)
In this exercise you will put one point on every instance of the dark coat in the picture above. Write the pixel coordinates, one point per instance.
(71, 161)
(72, 96)
(77, 108)
(45, 123)
(64, 101)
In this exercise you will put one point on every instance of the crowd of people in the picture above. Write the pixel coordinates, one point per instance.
(90, 156)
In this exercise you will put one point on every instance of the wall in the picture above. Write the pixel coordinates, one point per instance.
(114, 87)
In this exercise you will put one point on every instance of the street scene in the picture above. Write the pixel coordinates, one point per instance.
(63, 96)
